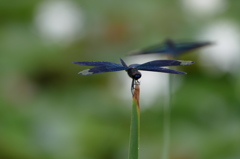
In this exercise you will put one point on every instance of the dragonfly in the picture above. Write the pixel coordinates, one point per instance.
(172, 48)
(133, 69)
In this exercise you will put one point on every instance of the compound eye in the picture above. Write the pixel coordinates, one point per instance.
(137, 76)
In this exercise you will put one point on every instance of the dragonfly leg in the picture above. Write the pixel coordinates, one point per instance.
(137, 82)
(132, 86)
(134, 82)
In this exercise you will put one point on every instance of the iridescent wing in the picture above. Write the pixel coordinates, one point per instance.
(96, 63)
(156, 65)
(100, 67)
(162, 63)
(172, 48)
(155, 49)
(164, 70)
(185, 47)
(123, 63)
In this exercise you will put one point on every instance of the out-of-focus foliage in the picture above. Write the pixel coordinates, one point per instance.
(48, 111)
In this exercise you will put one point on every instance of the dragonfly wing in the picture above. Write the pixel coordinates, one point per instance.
(133, 65)
(184, 47)
(164, 70)
(161, 63)
(102, 69)
(97, 63)
(123, 63)
(155, 49)
(159, 48)
(171, 47)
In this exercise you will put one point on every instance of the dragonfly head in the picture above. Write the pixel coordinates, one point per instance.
(134, 73)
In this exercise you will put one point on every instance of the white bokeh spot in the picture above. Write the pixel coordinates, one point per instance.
(224, 55)
(204, 7)
(59, 21)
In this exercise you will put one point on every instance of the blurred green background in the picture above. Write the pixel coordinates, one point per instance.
(48, 111)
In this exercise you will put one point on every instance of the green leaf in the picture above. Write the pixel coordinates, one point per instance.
(135, 125)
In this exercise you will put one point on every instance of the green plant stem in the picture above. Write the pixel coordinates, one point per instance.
(167, 116)
(166, 121)
(135, 125)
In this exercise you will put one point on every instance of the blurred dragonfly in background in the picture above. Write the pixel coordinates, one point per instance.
(171, 48)
(132, 70)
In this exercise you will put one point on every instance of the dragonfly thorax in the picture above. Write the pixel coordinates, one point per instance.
(134, 73)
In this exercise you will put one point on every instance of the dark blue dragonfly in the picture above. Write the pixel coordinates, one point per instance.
(132, 70)
(174, 49)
